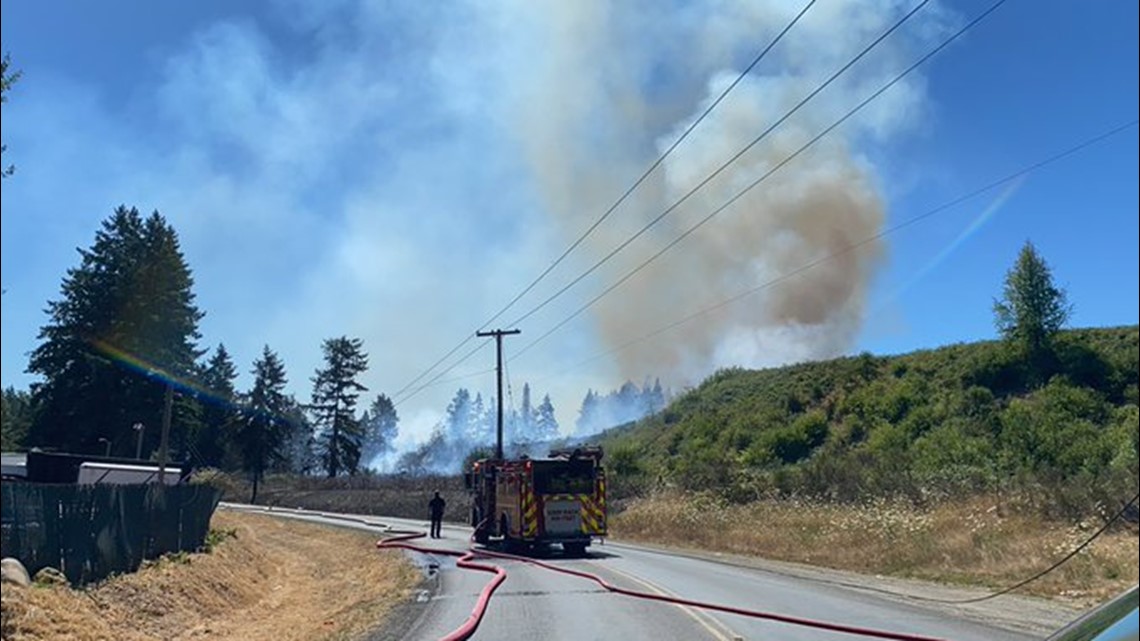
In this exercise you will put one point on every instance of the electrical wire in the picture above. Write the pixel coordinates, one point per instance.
(435, 379)
(1075, 551)
(740, 194)
(625, 195)
(456, 379)
(950, 204)
(764, 134)
(434, 365)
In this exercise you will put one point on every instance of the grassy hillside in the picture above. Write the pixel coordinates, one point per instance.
(946, 422)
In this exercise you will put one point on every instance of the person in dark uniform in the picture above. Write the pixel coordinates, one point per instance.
(436, 505)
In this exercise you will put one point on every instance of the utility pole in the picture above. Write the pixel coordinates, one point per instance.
(499, 334)
(164, 443)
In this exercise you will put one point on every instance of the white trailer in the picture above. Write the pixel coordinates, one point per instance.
(91, 473)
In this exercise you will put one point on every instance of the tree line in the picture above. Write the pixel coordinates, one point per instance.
(627, 403)
(125, 329)
(469, 427)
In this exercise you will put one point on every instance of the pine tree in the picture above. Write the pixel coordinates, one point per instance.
(524, 433)
(335, 393)
(264, 423)
(125, 325)
(300, 443)
(213, 441)
(459, 417)
(476, 429)
(527, 411)
(588, 414)
(16, 413)
(654, 397)
(546, 425)
(489, 422)
(6, 82)
(1032, 308)
(381, 425)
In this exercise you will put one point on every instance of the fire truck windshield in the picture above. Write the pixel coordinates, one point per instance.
(564, 477)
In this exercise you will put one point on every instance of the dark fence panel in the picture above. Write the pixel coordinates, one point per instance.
(92, 531)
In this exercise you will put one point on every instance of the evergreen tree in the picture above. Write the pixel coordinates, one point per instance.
(546, 425)
(1032, 308)
(512, 432)
(300, 443)
(489, 421)
(626, 405)
(6, 82)
(477, 432)
(125, 325)
(381, 425)
(459, 417)
(213, 441)
(16, 413)
(654, 397)
(587, 415)
(526, 419)
(335, 393)
(264, 424)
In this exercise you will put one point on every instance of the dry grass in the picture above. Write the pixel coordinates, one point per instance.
(969, 542)
(278, 579)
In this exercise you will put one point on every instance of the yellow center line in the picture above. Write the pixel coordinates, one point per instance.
(708, 622)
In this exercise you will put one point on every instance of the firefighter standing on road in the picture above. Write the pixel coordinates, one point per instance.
(436, 505)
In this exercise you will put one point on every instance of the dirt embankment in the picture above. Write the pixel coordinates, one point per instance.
(275, 579)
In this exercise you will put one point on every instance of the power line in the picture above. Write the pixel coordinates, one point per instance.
(1008, 178)
(720, 169)
(764, 134)
(660, 159)
(433, 366)
(455, 379)
(740, 194)
(1075, 551)
(625, 195)
(436, 379)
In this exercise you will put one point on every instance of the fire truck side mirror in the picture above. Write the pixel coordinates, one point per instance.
(468, 482)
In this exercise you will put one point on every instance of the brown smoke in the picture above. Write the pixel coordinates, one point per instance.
(587, 126)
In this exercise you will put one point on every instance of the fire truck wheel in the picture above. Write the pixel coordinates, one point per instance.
(574, 549)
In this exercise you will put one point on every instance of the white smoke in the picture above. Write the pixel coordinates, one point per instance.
(395, 172)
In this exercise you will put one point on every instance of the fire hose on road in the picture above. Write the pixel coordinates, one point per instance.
(466, 560)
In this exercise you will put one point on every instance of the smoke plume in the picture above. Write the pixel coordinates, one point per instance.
(620, 91)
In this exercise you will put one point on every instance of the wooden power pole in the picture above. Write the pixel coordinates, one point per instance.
(499, 334)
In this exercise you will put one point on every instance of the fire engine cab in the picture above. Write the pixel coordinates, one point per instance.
(537, 501)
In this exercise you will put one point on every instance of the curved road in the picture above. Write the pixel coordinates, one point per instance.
(535, 603)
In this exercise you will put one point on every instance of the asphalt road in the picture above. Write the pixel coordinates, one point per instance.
(535, 603)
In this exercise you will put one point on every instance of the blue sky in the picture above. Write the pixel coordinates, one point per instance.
(399, 171)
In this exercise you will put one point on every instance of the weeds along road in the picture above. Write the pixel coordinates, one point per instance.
(536, 603)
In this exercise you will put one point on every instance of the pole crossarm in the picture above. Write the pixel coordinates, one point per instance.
(499, 334)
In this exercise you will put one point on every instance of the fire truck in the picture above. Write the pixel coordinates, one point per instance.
(530, 502)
